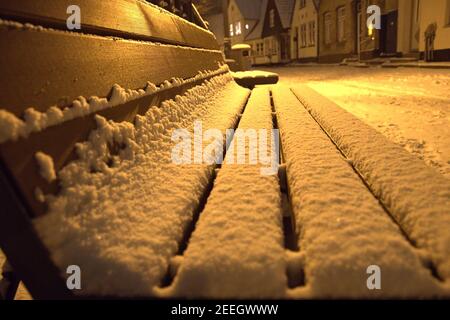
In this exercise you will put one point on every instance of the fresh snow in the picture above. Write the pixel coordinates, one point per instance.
(410, 106)
(342, 228)
(123, 205)
(13, 128)
(416, 195)
(236, 250)
(253, 74)
(241, 46)
(46, 166)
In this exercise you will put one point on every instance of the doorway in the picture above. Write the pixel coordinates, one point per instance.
(388, 35)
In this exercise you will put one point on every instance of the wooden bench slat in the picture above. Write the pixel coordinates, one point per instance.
(236, 250)
(416, 195)
(59, 143)
(140, 210)
(123, 18)
(342, 228)
(39, 68)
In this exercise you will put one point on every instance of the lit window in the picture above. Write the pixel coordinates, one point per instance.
(303, 35)
(238, 28)
(341, 24)
(231, 30)
(312, 33)
(247, 26)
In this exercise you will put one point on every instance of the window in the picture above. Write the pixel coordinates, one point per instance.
(238, 28)
(341, 24)
(312, 33)
(231, 30)
(267, 48)
(327, 27)
(302, 4)
(272, 18)
(303, 35)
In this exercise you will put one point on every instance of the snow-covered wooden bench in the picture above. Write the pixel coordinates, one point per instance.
(92, 126)
(86, 123)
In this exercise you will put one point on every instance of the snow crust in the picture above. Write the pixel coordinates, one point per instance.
(13, 128)
(342, 228)
(253, 74)
(46, 166)
(241, 46)
(236, 250)
(123, 205)
(417, 196)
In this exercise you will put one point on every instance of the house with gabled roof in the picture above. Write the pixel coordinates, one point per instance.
(243, 16)
(304, 31)
(266, 31)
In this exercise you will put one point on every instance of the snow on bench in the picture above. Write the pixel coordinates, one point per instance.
(342, 228)
(417, 196)
(250, 79)
(236, 250)
(123, 206)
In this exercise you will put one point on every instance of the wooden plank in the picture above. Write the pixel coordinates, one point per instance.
(341, 224)
(24, 250)
(122, 18)
(59, 142)
(46, 68)
(249, 246)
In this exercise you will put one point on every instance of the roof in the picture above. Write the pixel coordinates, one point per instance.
(256, 32)
(247, 8)
(285, 9)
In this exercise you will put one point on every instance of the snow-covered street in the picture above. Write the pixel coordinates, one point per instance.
(410, 106)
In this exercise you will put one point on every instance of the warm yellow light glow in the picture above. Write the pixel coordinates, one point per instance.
(370, 31)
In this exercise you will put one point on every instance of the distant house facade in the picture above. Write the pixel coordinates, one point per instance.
(243, 16)
(304, 31)
(332, 30)
(337, 30)
(266, 29)
(434, 20)
(344, 32)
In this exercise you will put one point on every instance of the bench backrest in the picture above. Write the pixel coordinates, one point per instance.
(125, 42)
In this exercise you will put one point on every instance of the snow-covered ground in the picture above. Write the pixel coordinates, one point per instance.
(410, 106)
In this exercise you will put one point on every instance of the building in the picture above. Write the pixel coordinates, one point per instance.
(304, 31)
(343, 30)
(265, 29)
(337, 30)
(243, 16)
(437, 13)
(409, 28)
(406, 26)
